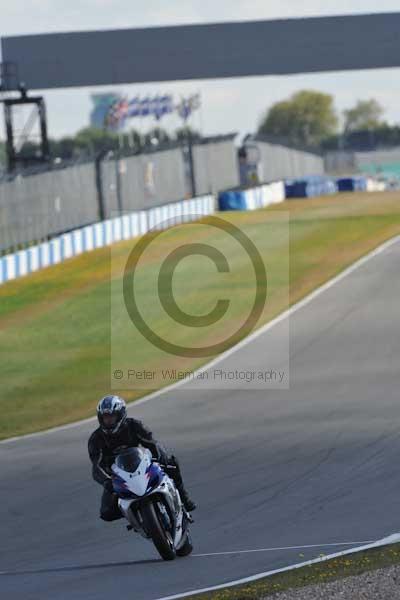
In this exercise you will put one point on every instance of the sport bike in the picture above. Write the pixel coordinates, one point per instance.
(149, 500)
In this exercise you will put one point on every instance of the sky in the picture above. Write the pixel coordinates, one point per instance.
(227, 105)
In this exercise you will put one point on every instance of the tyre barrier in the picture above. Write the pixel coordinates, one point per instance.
(138, 223)
(352, 184)
(376, 185)
(102, 234)
(309, 187)
(252, 198)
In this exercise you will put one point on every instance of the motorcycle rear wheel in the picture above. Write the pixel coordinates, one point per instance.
(162, 539)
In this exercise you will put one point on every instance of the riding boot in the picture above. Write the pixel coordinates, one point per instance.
(176, 475)
(186, 499)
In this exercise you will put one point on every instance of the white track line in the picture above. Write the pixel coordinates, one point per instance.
(395, 538)
(287, 313)
(306, 547)
(211, 554)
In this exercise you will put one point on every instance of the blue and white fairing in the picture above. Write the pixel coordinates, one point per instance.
(136, 476)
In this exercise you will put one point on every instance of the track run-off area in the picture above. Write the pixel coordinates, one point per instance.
(280, 476)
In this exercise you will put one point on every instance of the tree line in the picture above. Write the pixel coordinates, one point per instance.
(90, 141)
(309, 119)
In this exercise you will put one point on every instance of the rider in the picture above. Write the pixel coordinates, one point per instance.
(117, 430)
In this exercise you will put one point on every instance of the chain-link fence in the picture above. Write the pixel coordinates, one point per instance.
(142, 181)
(215, 165)
(282, 162)
(37, 206)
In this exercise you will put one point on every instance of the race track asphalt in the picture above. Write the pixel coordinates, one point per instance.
(315, 464)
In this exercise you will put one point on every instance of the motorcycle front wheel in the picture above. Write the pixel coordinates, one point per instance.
(162, 539)
(186, 547)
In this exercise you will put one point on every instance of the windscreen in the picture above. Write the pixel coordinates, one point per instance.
(129, 460)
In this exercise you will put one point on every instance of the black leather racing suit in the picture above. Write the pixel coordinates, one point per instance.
(101, 449)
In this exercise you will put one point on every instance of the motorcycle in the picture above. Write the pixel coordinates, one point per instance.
(149, 500)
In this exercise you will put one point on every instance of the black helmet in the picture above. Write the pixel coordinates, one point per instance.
(111, 413)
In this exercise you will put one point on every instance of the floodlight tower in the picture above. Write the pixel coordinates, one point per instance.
(19, 154)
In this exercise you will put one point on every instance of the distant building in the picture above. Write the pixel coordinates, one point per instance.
(102, 104)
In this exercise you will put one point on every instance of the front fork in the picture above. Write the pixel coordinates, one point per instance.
(171, 510)
(133, 516)
(131, 511)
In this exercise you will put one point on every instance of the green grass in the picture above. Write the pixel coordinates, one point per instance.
(318, 573)
(57, 344)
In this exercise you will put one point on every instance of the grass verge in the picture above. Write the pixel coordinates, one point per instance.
(322, 572)
(55, 325)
